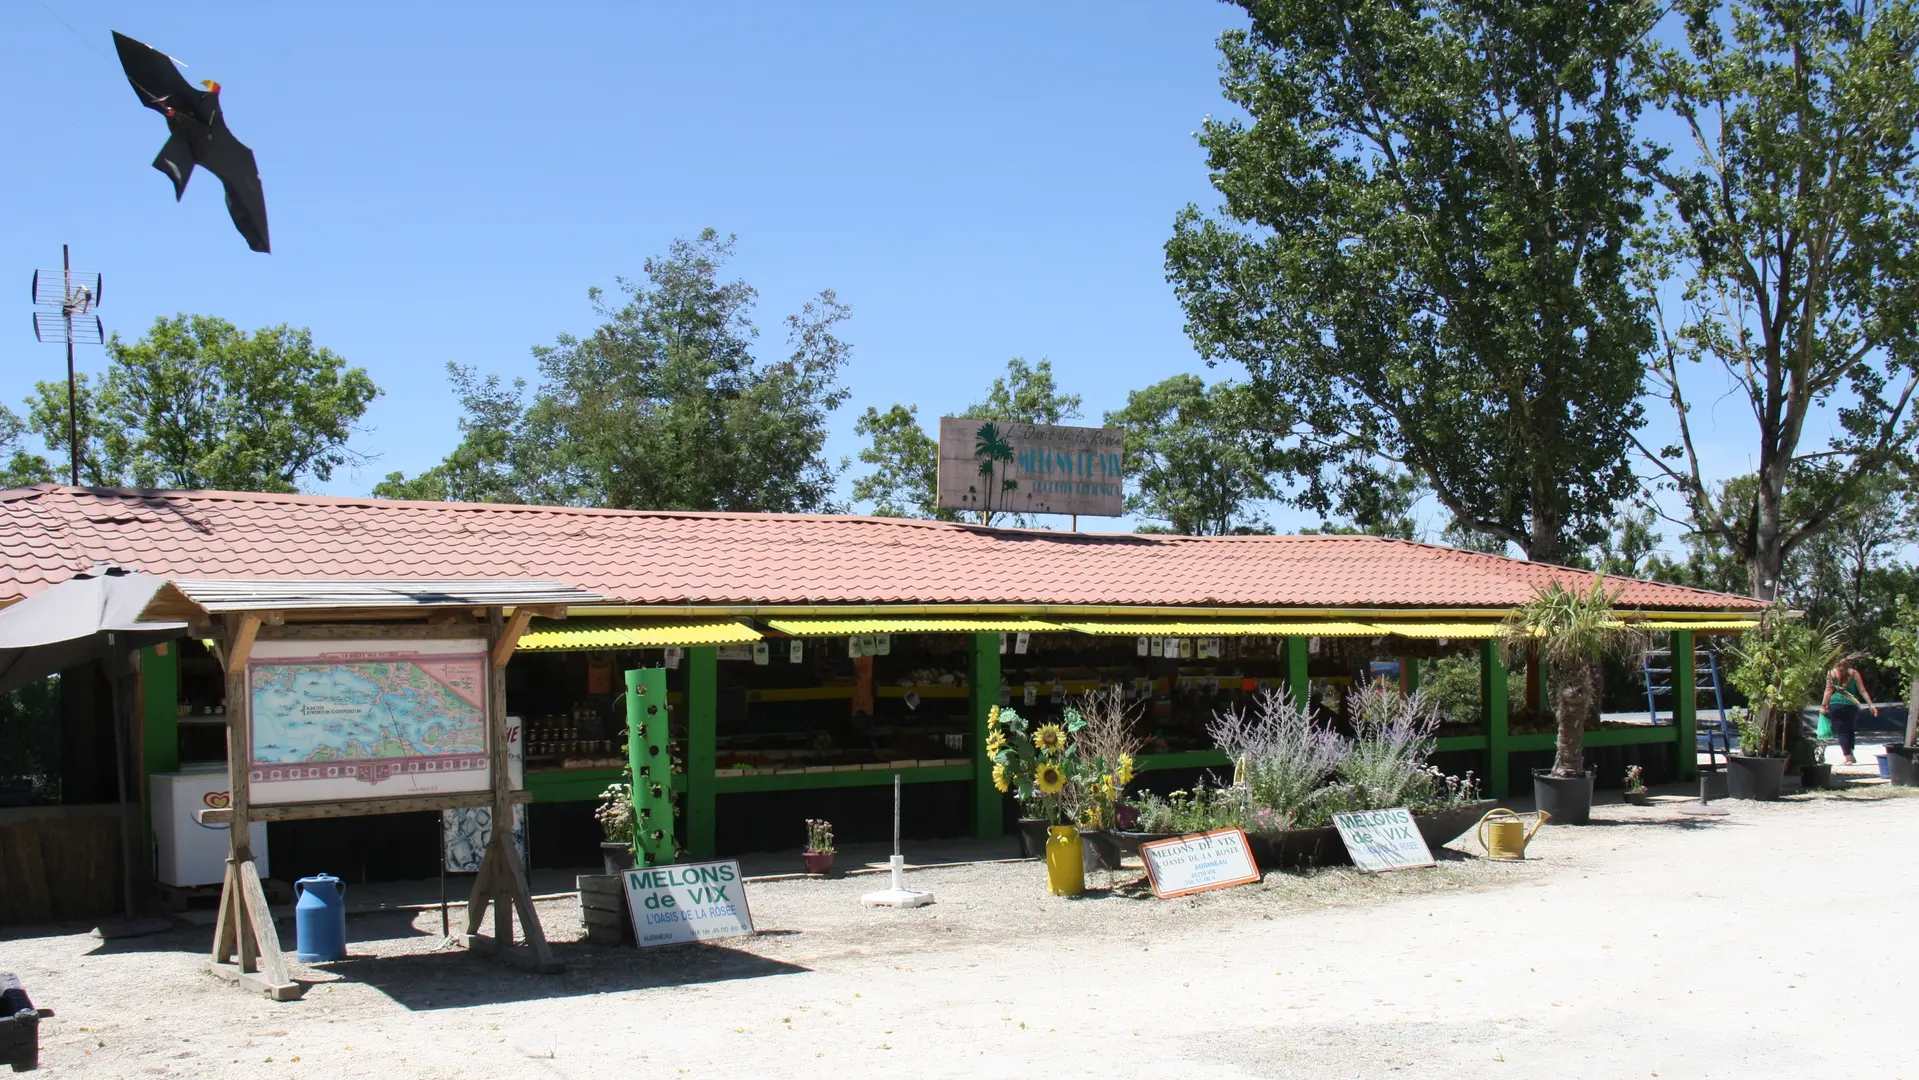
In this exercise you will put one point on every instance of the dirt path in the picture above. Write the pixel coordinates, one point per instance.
(1646, 945)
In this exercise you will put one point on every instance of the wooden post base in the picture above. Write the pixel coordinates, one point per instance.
(502, 885)
(245, 927)
(289, 991)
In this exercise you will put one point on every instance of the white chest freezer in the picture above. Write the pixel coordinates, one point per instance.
(191, 853)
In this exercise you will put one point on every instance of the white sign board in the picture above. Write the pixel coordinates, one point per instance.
(1190, 864)
(687, 902)
(1004, 466)
(1383, 840)
(355, 719)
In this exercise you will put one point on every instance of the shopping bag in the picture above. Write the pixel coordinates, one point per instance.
(1824, 730)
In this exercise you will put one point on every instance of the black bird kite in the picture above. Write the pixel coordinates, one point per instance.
(199, 135)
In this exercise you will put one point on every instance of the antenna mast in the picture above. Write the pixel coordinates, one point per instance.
(66, 298)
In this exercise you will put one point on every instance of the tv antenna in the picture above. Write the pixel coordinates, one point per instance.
(65, 299)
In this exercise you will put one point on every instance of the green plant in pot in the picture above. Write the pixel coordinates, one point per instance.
(1570, 632)
(818, 856)
(615, 815)
(1107, 747)
(1902, 655)
(1777, 666)
(1635, 791)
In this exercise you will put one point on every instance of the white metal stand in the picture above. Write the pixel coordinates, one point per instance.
(899, 895)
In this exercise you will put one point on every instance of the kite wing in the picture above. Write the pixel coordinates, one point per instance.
(229, 159)
(160, 84)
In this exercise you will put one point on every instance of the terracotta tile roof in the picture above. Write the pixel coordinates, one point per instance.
(48, 533)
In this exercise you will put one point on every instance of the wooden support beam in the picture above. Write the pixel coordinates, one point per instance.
(240, 641)
(545, 611)
(407, 804)
(510, 636)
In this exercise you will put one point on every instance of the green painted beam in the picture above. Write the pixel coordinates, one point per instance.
(1188, 759)
(702, 742)
(982, 688)
(570, 785)
(159, 731)
(1451, 743)
(1495, 706)
(1296, 678)
(647, 730)
(931, 774)
(1410, 665)
(1609, 737)
(1685, 705)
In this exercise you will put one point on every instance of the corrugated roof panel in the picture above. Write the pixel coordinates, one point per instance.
(594, 635)
(907, 624)
(1175, 627)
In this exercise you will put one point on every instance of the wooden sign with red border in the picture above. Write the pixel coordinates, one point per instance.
(1197, 862)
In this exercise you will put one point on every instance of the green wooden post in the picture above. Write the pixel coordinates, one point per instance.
(1296, 678)
(652, 765)
(1494, 705)
(982, 692)
(1685, 704)
(702, 735)
(1410, 679)
(159, 730)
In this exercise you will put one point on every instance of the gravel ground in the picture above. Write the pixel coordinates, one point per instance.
(1647, 944)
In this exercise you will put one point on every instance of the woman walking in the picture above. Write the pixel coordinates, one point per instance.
(1845, 692)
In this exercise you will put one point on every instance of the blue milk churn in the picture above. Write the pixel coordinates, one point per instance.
(319, 919)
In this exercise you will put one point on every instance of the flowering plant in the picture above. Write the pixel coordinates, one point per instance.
(1635, 778)
(1035, 764)
(615, 813)
(819, 836)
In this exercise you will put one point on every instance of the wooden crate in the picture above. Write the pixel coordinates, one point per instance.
(603, 908)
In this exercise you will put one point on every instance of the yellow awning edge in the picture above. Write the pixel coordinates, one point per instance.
(595, 634)
(1435, 629)
(1174, 627)
(823, 626)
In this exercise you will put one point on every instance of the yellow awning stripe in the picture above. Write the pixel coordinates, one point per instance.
(1426, 630)
(1222, 628)
(908, 624)
(588, 634)
(1697, 624)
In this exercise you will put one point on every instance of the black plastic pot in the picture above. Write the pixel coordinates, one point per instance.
(1102, 848)
(1442, 828)
(1129, 842)
(1032, 838)
(1565, 800)
(1815, 777)
(1757, 778)
(1903, 772)
(616, 857)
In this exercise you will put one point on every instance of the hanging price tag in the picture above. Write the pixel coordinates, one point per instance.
(884, 642)
(1020, 643)
(762, 653)
(1144, 643)
(796, 651)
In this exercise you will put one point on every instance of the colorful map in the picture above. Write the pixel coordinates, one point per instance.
(371, 722)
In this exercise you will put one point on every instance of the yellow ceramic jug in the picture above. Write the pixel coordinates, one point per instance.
(1065, 861)
(1504, 834)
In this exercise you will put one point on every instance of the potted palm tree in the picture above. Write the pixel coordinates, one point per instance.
(1902, 655)
(1776, 666)
(1569, 632)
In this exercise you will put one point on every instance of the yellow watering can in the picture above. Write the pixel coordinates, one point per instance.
(1504, 834)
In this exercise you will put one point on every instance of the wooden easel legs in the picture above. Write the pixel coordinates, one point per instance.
(246, 946)
(502, 883)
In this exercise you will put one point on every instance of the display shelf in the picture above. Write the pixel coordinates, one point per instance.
(845, 693)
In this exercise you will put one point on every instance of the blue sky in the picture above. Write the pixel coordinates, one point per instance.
(445, 181)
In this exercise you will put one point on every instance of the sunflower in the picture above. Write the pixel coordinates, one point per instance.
(1050, 737)
(992, 718)
(1124, 774)
(1049, 779)
(995, 743)
(1002, 779)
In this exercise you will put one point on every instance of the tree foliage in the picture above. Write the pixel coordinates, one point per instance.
(1569, 631)
(201, 404)
(1426, 247)
(19, 466)
(1797, 247)
(1192, 461)
(662, 407)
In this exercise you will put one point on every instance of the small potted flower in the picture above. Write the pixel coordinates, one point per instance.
(615, 815)
(1818, 775)
(1636, 792)
(818, 856)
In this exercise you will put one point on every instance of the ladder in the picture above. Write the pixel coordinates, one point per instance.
(1705, 667)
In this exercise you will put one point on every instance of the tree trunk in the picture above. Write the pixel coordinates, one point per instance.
(1575, 701)
(1912, 712)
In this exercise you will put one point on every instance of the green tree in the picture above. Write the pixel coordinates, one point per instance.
(662, 407)
(905, 459)
(483, 467)
(200, 404)
(1429, 222)
(1799, 248)
(18, 467)
(1852, 577)
(1191, 460)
